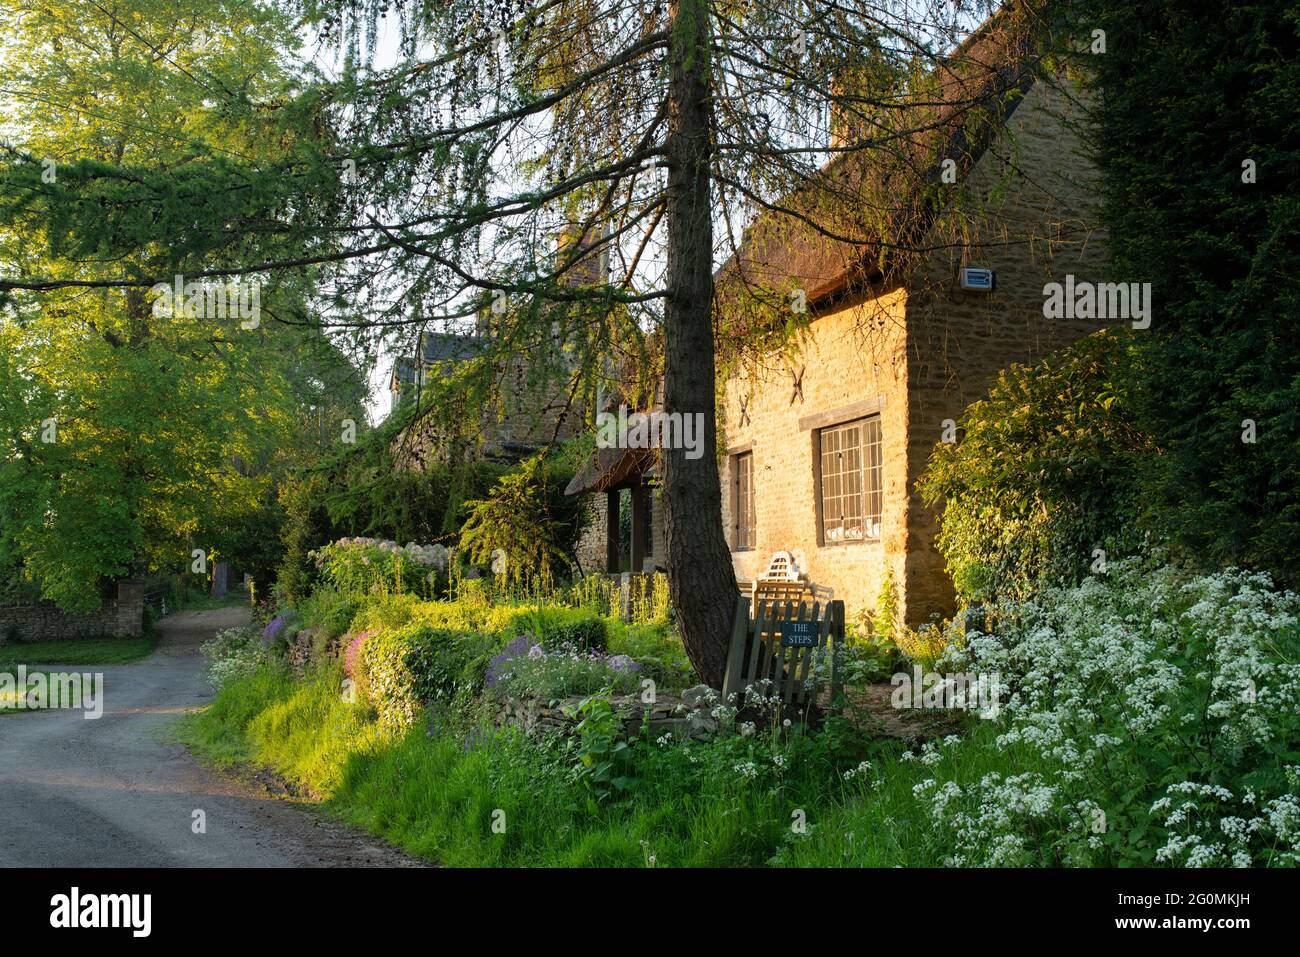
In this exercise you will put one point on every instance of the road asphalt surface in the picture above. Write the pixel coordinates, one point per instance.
(120, 791)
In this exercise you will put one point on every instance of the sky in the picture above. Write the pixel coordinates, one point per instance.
(329, 60)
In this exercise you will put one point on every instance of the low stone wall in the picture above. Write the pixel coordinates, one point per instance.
(121, 618)
(684, 716)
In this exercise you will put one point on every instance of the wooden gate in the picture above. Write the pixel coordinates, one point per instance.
(779, 644)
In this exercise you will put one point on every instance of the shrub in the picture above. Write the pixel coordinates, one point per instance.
(1044, 474)
(596, 593)
(391, 612)
(1222, 259)
(882, 621)
(227, 642)
(357, 567)
(657, 648)
(328, 611)
(526, 528)
(280, 630)
(458, 616)
(384, 612)
(867, 658)
(926, 645)
(557, 627)
(649, 601)
(408, 668)
(1163, 712)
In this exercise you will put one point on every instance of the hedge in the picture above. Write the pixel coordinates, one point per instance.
(408, 668)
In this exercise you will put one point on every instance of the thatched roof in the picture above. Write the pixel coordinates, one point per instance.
(978, 85)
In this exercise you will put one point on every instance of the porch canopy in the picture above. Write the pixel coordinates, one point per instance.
(610, 471)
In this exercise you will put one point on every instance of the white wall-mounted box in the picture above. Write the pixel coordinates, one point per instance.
(978, 280)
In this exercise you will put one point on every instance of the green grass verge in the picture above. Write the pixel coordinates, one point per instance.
(88, 651)
(438, 796)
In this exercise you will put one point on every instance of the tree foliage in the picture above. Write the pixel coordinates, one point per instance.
(131, 436)
(1198, 136)
(526, 528)
(586, 163)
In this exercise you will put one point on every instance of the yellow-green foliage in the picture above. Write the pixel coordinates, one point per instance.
(417, 664)
(657, 648)
(526, 527)
(556, 626)
(388, 612)
(649, 599)
(922, 646)
(882, 621)
(390, 684)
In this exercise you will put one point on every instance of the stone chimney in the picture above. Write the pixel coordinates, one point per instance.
(593, 268)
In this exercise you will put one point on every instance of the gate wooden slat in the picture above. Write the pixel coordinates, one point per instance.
(774, 628)
(798, 693)
(755, 642)
(787, 654)
(770, 646)
(771, 631)
(787, 688)
(736, 653)
(775, 651)
(781, 653)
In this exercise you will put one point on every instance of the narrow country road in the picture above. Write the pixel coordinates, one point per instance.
(119, 791)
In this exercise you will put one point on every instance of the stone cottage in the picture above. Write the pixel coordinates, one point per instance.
(533, 405)
(825, 439)
(530, 410)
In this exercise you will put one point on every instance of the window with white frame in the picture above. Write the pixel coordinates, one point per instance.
(849, 492)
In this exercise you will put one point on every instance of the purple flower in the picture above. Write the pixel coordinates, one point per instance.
(499, 666)
(622, 663)
(273, 629)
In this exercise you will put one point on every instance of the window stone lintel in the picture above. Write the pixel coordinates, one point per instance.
(843, 414)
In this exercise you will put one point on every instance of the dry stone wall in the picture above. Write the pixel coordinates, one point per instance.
(121, 618)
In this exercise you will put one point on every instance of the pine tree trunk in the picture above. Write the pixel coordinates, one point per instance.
(700, 575)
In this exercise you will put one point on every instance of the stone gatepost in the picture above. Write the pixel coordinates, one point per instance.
(130, 608)
(220, 574)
